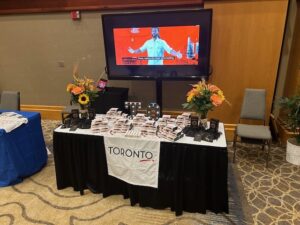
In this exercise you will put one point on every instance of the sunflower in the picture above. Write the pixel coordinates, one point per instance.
(83, 99)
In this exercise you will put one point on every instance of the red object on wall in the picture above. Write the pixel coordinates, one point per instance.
(75, 15)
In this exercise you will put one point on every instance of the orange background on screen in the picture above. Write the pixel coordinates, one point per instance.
(175, 36)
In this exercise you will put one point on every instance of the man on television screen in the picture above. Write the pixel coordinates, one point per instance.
(155, 48)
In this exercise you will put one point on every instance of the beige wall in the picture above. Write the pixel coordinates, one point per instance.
(246, 42)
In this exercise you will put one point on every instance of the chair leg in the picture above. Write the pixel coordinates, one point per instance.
(268, 153)
(234, 145)
(262, 147)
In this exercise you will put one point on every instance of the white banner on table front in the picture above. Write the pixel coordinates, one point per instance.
(135, 161)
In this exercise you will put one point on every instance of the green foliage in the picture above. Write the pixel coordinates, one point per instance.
(200, 104)
(292, 107)
(92, 94)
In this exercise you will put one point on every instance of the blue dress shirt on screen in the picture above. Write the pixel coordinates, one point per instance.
(155, 48)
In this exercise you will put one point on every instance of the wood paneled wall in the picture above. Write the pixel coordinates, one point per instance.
(246, 45)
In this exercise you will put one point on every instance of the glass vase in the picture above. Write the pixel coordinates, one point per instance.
(203, 120)
(84, 108)
(83, 111)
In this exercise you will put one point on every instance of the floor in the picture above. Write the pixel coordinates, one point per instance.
(273, 194)
(268, 196)
(256, 196)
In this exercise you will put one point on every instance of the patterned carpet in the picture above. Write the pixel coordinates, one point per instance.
(257, 196)
(273, 193)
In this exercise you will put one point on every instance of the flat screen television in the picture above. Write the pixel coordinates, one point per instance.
(158, 45)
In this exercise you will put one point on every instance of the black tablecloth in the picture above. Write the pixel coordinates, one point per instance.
(192, 178)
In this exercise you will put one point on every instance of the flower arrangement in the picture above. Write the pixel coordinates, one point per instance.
(204, 97)
(83, 91)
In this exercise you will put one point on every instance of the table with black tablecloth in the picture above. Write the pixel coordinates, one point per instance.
(192, 175)
(22, 151)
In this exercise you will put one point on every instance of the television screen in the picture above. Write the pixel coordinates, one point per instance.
(136, 46)
(158, 45)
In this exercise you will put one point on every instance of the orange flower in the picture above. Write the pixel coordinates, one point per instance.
(77, 90)
(216, 99)
(213, 88)
(70, 87)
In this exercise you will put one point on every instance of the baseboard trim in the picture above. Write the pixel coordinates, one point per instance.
(47, 112)
(54, 113)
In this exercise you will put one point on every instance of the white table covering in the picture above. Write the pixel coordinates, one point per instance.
(220, 142)
(134, 170)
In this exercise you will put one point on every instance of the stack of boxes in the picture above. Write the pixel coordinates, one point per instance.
(149, 128)
(183, 120)
(116, 122)
(121, 125)
(99, 125)
(139, 120)
(170, 132)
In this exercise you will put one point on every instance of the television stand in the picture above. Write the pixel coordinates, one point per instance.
(158, 85)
